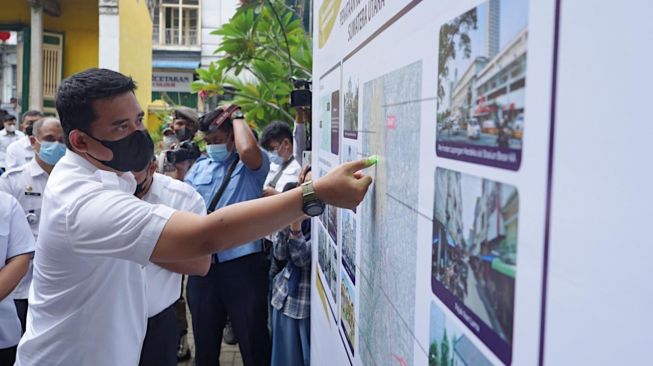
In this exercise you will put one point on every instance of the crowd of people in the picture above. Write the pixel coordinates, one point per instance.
(97, 231)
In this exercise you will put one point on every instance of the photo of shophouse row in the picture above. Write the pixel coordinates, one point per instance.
(474, 255)
(482, 84)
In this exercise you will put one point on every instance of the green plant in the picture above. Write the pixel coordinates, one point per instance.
(262, 47)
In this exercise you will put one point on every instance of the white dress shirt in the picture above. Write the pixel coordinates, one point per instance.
(19, 153)
(87, 299)
(15, 239)
(290, 174)
(163, 287)
(5, 141)
(26, 183)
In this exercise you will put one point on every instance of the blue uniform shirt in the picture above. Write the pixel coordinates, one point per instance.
(245, 184)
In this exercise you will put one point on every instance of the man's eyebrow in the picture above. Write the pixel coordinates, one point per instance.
(121, 121)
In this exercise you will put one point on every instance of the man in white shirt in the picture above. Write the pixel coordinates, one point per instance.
(163, 287)
(8, 135)
(16, 247)
(20, 152)
(277, 140)
(27, 183)
(87, 300)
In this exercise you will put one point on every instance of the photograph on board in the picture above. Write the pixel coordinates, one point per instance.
(322, 249)
(448, 345)
(474, 253)
(332, 275)
(482, 84)
(349, 243)
(332, 222)
(350, 123)
(348, 313)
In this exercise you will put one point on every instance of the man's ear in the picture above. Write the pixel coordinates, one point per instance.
(32, 141)
(77, 140)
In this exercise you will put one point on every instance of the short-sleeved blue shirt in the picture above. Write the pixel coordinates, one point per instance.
(245, 184)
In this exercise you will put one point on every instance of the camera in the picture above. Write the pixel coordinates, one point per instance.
(187, 150)
(301, 96)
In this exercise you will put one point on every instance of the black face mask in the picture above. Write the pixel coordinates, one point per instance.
(183, 134)
(132, 153)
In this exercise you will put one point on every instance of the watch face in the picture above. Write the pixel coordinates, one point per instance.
(313, 209)
(237, 115)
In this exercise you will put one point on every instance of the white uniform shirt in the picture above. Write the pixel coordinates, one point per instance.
(26, 183)
(5, 141)
(87, 299)
(19, 152)
(163, 287)
(290, 174)
(15, 239)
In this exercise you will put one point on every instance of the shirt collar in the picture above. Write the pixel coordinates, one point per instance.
(35, 169)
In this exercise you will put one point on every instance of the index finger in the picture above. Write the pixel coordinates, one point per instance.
(357, 165)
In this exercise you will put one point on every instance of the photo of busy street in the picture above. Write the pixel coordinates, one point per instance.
(482, 83)
(475, 245)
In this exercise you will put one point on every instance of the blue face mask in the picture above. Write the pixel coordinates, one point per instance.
(275, 157)
(217, 152)
(51, 151)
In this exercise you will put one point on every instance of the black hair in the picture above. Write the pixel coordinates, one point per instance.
(77, 93)
(8, 117)
(207, 119)
(31, 113)
(275, 131)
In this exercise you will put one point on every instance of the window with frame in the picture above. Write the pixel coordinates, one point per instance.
(176, 23)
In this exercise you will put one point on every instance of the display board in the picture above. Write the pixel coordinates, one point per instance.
(446, 260)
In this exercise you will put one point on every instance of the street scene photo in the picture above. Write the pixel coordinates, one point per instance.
(348, 315)
(349, 243)
(448, 345)
(474, 251)
(482, 84)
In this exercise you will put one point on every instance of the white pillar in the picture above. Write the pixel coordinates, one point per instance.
(109, 22)
(36, 58)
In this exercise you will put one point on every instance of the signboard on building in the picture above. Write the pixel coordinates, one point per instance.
(171, 81)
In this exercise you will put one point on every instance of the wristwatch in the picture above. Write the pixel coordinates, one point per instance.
(237, 114)
(312, 206)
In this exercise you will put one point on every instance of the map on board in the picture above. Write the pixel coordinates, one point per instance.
(390, 129)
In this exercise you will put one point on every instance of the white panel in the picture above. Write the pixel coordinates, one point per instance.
(600, 294)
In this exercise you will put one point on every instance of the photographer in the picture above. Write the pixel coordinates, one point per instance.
(176, 161)
(237, 283)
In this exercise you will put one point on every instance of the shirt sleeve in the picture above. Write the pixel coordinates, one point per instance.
(197, 205)
(262, 172)
(21, 240)
(115, 224)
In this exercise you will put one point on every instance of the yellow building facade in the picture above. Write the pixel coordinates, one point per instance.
(76, 35)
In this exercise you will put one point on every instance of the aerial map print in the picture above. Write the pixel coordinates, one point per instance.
(390, 129)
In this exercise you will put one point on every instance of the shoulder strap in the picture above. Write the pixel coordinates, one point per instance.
(223, 186)
(273, 182)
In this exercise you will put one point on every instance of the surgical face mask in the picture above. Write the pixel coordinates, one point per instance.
(275, 157)
(51, 151)
(131, 153)
(168, 141)
(11, 128)
(217, 152)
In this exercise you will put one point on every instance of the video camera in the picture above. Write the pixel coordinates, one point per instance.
(187, 150)
(302, 95)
